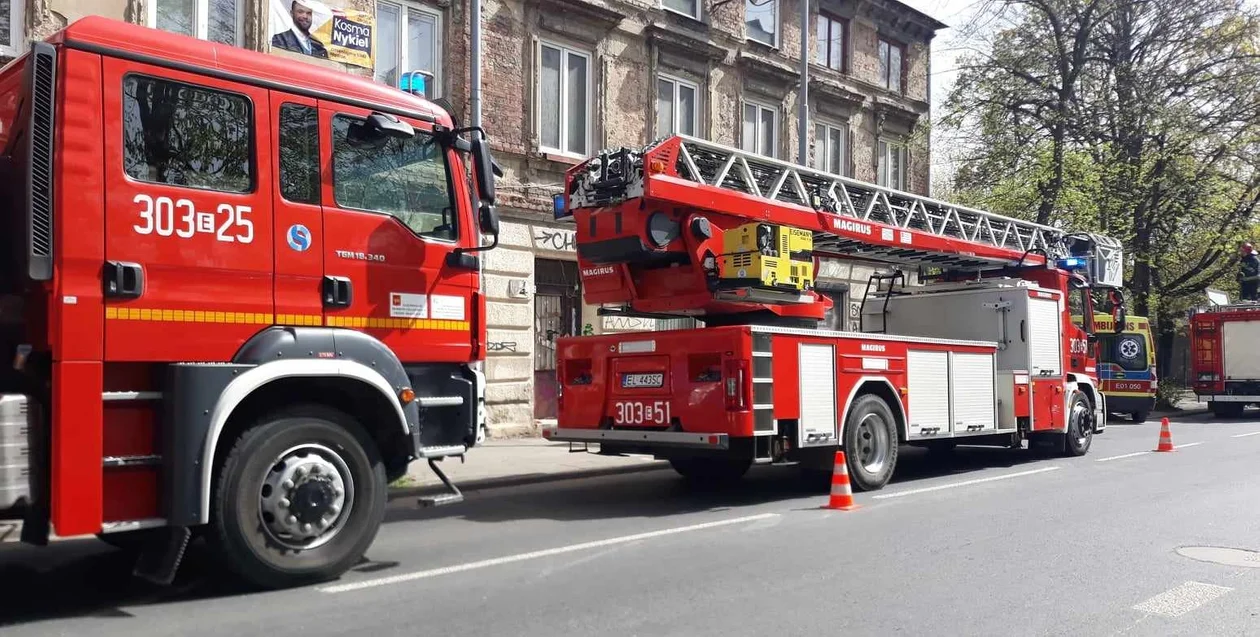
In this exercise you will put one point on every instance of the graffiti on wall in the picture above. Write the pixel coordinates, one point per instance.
(628, 324)
(555, 239)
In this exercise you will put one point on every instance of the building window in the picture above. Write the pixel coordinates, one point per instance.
(830, 144)
(891, 172)
(215, 20)
(830, 46)
(408, 179)
(761, 19)
(408, 39)
(12, 27)
(761, 129)
(689, 8)
(890, 69)
(299, 153)
(564, 91)
(676, 111)
(185, 135)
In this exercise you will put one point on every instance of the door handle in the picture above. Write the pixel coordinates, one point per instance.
(337, 291)
(123, 280)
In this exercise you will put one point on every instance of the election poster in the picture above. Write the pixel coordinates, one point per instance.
(316, 29)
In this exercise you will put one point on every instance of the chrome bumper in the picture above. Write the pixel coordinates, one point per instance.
(654, 438)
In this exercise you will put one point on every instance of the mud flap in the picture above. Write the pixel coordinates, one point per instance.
(160, 560)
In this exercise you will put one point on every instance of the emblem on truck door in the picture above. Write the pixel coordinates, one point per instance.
(629, 381)
(299, 237)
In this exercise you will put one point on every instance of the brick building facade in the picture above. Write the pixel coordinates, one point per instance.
(565, 78)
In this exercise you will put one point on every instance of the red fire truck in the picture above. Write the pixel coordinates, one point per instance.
(241, 295)
(984, 352)
(1225, 369)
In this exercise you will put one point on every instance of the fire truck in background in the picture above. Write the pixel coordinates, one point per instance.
(1224, 365)
(240, 296)
(984, 352)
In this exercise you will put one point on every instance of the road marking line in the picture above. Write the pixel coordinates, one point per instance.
(447, 570)
(963, 483)
(1123, 455)
(1189, 444)
(1178, 601)
(1254, 433)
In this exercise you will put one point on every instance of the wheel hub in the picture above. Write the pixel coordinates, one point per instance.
(872, 443)
(306, 497)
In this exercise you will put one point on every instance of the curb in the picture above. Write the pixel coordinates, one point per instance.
(526, 479)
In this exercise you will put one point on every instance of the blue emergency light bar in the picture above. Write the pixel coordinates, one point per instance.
(558, 207)
(1072, 263)
(414, 82)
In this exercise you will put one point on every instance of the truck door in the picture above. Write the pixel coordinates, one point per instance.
(188, 247)
(299, 225)
(392, 218)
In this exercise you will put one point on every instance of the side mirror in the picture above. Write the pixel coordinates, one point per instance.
(387, 125)
(489, 219)
(1118, 314)
(483, 169)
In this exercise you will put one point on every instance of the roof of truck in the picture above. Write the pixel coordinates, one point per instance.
(163, 48)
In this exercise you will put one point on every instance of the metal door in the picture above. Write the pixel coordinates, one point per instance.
(557, 312)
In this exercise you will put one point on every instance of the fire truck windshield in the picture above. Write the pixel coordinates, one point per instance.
(409, 179)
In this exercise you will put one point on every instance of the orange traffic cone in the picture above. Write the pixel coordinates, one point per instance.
(1165, 437)
(841, 492)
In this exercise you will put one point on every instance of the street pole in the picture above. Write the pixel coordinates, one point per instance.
(474, 54)
(803, 116)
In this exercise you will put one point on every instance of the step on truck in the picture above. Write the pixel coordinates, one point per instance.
(1225, 356)
(981, 349)
(240, 296)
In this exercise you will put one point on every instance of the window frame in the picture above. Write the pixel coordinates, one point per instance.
(778, 27)
(678, 83)
(820, 149)
(884, 156)
(565, 51)
(319, 176)
(252, 116)
(832, 21)
(901, 70)
(405, 9)
(450, 179)
(775, 128)
(17, 30)
(201, 22)
(694, 3)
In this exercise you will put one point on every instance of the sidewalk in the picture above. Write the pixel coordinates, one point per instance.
(520, 461)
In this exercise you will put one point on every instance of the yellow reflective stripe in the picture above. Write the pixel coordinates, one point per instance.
(172, 315)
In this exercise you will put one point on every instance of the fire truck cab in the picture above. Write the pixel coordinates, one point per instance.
(240, 295)
(986, 351)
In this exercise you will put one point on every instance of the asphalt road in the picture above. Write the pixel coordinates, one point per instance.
(987, 542)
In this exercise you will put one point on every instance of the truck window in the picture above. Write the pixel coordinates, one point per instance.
(185, 135)
(299, 153)
(407, 179)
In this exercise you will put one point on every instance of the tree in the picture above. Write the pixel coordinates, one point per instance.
(1136, 117)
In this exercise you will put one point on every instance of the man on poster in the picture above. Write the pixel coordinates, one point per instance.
(299, 37)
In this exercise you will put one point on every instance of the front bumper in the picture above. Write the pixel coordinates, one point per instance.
(664, 439)
(1130, 404)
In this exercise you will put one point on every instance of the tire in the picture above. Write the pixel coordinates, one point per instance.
(711, 471)
(1139, 417)
(870, 443)
(265, 550)
(1080, 426)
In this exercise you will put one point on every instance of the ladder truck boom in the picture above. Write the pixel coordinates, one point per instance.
(986, 352)
(687, 192)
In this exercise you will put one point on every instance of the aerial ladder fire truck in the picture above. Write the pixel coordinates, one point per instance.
(984, 351)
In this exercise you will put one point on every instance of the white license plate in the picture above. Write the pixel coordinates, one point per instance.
(637, 381)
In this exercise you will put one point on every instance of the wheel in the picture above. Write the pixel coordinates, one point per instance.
(709, 470)
(1139, 417)
(1080, 426)
(870, 443)
(299, 498)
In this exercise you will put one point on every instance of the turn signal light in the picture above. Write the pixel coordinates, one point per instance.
(407, 395)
